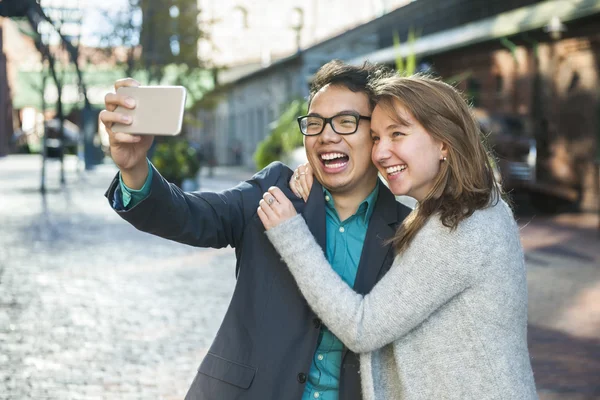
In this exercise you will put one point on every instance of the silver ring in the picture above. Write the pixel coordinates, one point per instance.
(270, 200)
(296, 177)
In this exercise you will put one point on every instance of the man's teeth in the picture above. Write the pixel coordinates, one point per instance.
(338, 165)
(396, 168)
(332, 156)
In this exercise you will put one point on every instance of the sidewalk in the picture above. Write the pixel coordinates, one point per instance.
(563, 259)
(91, 308)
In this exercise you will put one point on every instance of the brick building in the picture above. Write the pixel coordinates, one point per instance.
(505, 55)
(539, 63)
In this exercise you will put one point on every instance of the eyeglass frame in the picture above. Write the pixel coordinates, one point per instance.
(330, 122)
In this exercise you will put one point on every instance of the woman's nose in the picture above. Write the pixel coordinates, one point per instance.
(381, 151)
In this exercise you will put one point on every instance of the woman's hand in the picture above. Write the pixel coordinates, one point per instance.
(275, 208)
(302, 181)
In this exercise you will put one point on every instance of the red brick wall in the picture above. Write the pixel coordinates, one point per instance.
(568, 98)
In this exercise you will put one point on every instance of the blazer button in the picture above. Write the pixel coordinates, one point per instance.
(317, 322)
(301, 377)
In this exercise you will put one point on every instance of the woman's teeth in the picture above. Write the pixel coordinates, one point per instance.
(395, 169)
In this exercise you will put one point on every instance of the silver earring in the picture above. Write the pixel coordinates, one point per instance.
(443, 159)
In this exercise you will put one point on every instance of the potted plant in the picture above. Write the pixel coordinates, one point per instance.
(176, 161)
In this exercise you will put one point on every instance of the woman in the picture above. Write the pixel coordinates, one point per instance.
(449, 320)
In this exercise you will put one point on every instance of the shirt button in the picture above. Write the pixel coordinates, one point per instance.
(342, 229)
(327, 198)
(317, 323)
(316, 395)
(301, 377)
(320, 357)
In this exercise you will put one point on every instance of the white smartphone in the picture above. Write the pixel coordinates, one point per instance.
(158, 111)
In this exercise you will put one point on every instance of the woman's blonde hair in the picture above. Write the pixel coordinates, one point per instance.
(466, 181)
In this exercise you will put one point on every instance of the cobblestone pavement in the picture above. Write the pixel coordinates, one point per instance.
(90, 308)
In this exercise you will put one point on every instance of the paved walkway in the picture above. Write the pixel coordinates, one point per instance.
(90, 308)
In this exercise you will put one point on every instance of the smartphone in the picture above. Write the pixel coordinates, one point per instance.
(158, 110)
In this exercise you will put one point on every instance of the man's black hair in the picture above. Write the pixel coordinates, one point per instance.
(355, 78)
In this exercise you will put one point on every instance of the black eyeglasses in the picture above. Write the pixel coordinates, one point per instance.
(342, 124)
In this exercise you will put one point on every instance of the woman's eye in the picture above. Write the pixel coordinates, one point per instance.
(397, 134)
(375, 138)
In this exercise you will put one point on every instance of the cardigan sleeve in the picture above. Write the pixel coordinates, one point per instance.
(425, 277)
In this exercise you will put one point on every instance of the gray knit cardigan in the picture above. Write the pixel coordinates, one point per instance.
(449, 319)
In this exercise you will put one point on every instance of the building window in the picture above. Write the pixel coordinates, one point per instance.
(240, 18)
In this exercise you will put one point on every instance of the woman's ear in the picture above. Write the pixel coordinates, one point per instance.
(443, 151)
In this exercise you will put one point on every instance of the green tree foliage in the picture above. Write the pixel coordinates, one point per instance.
(284, 137)
(156, 35)
(408, 66)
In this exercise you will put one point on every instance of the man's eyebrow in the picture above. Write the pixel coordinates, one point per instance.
(314, 114)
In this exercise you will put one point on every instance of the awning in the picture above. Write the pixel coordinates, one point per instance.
(28, 90)
(506, 24)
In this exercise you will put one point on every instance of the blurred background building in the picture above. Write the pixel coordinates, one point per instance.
(275, 29)
(529, 67)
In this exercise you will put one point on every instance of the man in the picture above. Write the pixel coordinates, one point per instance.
(270, 344)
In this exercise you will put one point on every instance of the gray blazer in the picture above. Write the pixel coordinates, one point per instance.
(264, 347)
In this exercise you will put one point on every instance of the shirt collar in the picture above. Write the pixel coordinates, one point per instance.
(365, 209)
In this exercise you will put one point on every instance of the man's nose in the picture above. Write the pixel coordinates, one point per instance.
(328, 135)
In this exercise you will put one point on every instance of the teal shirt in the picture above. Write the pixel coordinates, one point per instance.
(131, 197)
(344, 247)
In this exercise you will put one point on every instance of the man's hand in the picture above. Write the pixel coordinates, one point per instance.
(127, 151)
(302, 181)
(275, 208)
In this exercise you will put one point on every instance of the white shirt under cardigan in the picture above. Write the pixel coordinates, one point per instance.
(449, 319)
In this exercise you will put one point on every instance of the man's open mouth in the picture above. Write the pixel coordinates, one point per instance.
(334, 160)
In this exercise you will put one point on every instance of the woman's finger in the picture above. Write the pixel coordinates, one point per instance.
(298, 188)
(268, 211)
(279, 196)
(284, 208)
(293, 184)
(303, 188)
(264, 218)
(270, 199)
(306, 181)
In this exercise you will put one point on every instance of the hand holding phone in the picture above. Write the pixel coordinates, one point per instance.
(129, 143)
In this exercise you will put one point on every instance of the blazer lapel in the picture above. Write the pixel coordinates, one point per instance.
(386, 216)
(314, 214)
(382, 227)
